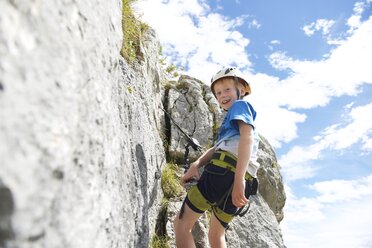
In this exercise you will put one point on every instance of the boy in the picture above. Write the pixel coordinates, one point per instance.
(230, 166)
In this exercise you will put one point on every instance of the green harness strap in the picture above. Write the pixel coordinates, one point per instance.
(197, 199)
(219, 159)
(221, 163)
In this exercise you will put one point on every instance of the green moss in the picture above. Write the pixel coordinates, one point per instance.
(170, 181)
(161, 222)
(167, 85)
(215, 130)
(130, 89)
(171, 68)
(164, 139)
(183, 85)
(274, 165)
(175, 74)
(159, 242)
(144, 27)
(162, 61)
(132, 32)
(212, 109)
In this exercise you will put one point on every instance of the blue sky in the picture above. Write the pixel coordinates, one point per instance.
(310, 64)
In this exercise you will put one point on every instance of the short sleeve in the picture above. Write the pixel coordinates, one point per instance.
(242, 110)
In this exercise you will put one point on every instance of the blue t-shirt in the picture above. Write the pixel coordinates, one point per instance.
(240, 110)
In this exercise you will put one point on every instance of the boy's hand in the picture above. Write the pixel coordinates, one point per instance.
(191, 174)
(238, 196)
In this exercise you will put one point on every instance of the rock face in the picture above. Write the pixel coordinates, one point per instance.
(82, 133)
(193, 107)
(80, 149)
(271, 182)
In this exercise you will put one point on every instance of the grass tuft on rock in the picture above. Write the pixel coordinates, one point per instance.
(159, 242)
(132, 32)
(170, 181)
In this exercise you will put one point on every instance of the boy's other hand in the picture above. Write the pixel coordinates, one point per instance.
(238, 196)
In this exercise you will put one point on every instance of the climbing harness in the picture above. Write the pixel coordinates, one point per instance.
(226, 161)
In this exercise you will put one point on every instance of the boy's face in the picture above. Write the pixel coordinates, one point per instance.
(225, 91)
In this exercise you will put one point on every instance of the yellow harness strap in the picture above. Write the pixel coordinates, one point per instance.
(221, 215)
(197, 199)
(221, 161)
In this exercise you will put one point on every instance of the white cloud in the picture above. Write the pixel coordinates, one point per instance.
(284, 130)
(322, 25)
(254, 24)
(196, 38)
(297, 163)
(273, 43)
(357, 131)
(355, 20)
(269, 112)
(334, 191)
(314, 83)
(367, 145)
(338, 216)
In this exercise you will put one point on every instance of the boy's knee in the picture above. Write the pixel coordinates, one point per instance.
(217, 240)
(216, 235)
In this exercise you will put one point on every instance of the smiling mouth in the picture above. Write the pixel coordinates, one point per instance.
(226, 101)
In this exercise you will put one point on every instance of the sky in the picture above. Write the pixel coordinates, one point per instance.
(310, 69)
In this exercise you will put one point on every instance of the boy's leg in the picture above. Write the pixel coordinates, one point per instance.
(183, 228)
(216, 233)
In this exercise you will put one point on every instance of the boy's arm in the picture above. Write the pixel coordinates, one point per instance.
(244, 154)
(204, 158)
(193, 171)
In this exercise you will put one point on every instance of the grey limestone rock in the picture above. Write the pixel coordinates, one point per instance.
(193, 107)
(271, 182)
(80, 144)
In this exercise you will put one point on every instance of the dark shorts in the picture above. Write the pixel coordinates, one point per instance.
(213, 191)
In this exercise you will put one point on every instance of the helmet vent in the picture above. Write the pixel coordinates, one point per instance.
(228, 70)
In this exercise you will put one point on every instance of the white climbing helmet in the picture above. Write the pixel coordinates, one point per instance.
(234, 73)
